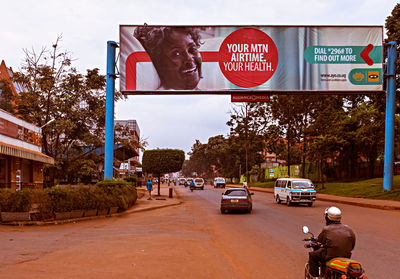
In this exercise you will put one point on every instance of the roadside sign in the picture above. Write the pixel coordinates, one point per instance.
(249, 98)
(271, 173)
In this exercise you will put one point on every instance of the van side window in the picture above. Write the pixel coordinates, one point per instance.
(283, 185)
(289, 184)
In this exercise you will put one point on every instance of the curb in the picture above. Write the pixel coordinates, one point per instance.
(361, 204)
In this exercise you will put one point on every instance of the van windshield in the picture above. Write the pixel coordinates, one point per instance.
(302, 185)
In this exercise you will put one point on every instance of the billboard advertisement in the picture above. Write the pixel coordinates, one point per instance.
(250, 59)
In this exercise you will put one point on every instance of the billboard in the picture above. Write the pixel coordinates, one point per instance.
(250, 59)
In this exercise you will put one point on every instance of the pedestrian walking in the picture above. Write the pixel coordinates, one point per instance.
(149, 188)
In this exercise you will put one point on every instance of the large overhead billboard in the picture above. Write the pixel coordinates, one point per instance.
(250, 59)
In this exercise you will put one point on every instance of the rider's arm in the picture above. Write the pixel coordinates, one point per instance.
(322, 237)
(353, 236)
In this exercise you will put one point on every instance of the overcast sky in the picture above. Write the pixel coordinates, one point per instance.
(166, 121)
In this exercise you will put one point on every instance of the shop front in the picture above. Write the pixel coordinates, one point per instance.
(21, 159)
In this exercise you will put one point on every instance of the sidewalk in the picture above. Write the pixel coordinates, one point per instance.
(143, 204)
(372, 203)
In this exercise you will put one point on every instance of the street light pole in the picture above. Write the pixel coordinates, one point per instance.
(47, 123)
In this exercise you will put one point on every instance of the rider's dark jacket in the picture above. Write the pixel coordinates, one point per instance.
(338, 239)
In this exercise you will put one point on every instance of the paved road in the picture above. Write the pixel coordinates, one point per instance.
(378, 231)
(193, 240)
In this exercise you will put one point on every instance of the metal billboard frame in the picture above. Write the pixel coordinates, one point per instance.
(389, 74)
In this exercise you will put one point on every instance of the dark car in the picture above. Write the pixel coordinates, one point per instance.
(236, 199)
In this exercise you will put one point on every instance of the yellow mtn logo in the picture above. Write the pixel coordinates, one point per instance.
(358, 76)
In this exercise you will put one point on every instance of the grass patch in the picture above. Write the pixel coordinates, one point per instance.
(369, 188)
(267, 184)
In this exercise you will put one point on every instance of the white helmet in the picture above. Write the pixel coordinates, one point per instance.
(333, 213)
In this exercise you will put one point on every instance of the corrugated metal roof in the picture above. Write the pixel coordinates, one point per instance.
(21, 152)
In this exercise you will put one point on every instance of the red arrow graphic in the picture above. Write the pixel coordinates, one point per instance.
(364, 54)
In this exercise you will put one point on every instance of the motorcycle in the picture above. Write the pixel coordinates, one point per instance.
(191, 188)
(342, 268)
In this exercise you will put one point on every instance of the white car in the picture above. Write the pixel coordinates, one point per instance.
(219, 182)
(294, 190)
(181, 181)
(199, 183)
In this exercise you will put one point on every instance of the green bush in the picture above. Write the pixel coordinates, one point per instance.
(56, 199)
(123, 194)
(78, 199)
(5, 195)
(60, 199)
(112, 183)
(19, 201)
(89, 198)
(131, 179)
(104, 199)
(45, 208)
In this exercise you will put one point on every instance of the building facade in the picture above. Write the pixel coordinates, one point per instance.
(21, 159)
(129, 167)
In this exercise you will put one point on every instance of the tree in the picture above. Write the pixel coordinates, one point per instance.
(7, 98)
(222, 153)
(161, 161)
(199, 161)
(293, 115)
(55, 90)
(274, 142)
(393, 34)
(248, 123)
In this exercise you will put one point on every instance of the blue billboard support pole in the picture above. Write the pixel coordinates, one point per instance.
(389, 124)
(110, 87)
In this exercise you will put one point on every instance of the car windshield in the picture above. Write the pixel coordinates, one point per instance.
(302, 184)
(220, 180)
(235, 193)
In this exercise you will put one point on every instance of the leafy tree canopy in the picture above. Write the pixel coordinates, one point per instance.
(160, 161)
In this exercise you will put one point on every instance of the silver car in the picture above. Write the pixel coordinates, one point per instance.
(236, 199)
(199, 183)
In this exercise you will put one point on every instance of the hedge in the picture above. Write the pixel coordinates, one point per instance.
(56, 199)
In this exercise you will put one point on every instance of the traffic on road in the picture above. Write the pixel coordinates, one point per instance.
(150, 244)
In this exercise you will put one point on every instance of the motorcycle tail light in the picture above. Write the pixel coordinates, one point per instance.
(355, 270)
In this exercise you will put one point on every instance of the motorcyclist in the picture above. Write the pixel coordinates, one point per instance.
(337, 240)
(192, 183)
